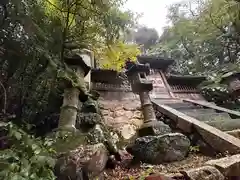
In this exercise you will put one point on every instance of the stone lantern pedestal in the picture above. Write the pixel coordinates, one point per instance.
(140, 85)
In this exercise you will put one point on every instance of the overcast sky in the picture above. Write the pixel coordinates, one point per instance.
(154, 12)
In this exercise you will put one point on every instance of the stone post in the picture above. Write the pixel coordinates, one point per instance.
(147, 108)
(69, 109)
(141, 86)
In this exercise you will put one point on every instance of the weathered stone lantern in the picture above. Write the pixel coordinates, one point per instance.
(140, 85)
(72, 94)
(232, 80)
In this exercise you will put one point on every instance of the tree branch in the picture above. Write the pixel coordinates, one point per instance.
(5, 98)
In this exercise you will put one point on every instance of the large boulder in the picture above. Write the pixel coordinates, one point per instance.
(83, 162)
(158, 149)
(85, 152)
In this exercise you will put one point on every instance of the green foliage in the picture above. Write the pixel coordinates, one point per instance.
(114, 57)
(194, 149)
(32, 50)
(201, 38)
(29, 158)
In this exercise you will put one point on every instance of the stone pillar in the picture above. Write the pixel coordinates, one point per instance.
(147, 108)
(69, 109)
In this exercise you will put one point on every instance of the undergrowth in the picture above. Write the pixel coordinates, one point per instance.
(26, 158)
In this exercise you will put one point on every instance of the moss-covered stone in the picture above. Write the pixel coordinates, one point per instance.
(90, 120)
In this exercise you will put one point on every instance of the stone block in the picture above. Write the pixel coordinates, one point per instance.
(203, 173)
(136, 122)
(105, 112)
(119, 113)
(229, 166)
(137, 114)
(127, 131)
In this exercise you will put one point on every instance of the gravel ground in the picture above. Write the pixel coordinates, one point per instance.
(121, 173)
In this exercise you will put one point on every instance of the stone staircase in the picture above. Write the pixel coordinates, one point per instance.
(221, 120)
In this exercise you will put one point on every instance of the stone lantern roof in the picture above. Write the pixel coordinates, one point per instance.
(76, 60)
(188, 80)
(156, 62)
(230, 75)
(232, 79)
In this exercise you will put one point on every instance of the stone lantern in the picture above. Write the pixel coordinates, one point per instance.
(72, 95)
(140, 85)
(232, 80)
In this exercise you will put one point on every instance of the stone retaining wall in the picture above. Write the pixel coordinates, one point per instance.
(121, 111)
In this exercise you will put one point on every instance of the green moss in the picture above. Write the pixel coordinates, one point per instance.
(64, 140)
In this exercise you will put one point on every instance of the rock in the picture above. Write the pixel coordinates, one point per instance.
(178, 176)
(203, 173)
(161, 128)
(131, 106)
(119, 113)
(137, 115)
(128, 131)
(129, 114)
(137, 122)
(109, 120)
(87, 120)
(228, 166)
(105, 112)
(84, 161)
(115, 137)
(158, 149)
(116, 122)
(117, 108)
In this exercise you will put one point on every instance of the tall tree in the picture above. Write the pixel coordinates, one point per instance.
(144, 36)
(203, 40)
(33, 35)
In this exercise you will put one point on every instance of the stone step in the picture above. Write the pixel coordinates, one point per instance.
(167, 101)
(191, 112)
(211, 116)
(225, 125)
(179, 106)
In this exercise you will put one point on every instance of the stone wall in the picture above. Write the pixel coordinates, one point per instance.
(121, 112)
